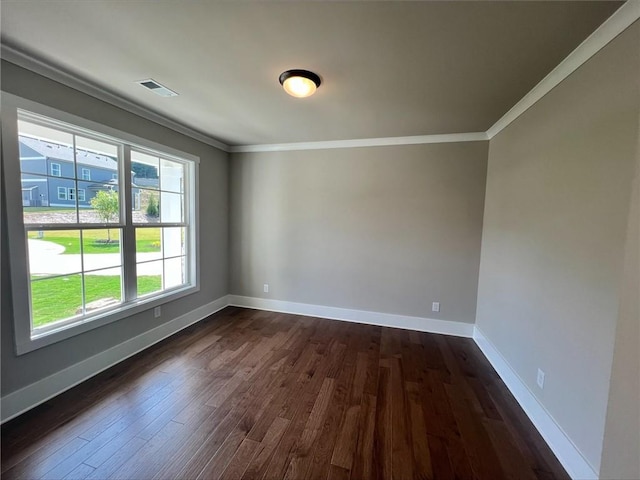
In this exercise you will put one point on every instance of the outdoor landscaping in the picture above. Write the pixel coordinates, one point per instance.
(59, 298)
(95, 241)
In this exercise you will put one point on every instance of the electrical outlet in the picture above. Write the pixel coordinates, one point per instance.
(266, 288)
(540, 379)
(157, 312)
(435, 307)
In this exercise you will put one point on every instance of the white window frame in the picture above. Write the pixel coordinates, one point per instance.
(85, 174)
(25, 341)
(53, 174)
(81, 195)
(71, 193)
(62, 193)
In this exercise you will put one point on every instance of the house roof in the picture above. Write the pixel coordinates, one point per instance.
(57, 151)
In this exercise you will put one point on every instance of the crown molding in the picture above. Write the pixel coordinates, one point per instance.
(60, 75)
(363, 142)
(617, 23)
(622, 19)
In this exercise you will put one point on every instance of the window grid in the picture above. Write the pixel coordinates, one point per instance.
(82, 272)
(75, 193)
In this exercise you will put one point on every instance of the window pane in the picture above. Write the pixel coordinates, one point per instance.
(45, 200)
(56, 197)
(148, 244)
(33, 130)
(149, 277)
(146, 205)
(55, 159)
(101, 203)
(101, 248)
(171, 210)
(95, 160)
(173, 241)
(173, 272)
(103, 289)
(55, 299)
(45, 150)
(171, 176)
(30, 160)
(145, 169)
(54, 252)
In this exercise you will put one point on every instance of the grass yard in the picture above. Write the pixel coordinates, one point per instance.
(48, 209)
(59, 298)
(147, 240)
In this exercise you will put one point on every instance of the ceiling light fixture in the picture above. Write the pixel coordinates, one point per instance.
(299, 83)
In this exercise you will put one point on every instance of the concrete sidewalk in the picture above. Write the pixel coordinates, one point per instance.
(47, 258)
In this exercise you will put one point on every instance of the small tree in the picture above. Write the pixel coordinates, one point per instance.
(153, 209)
(107, 207)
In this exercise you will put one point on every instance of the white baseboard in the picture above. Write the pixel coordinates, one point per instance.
(570, 457)
(420, 324)
(32, 395)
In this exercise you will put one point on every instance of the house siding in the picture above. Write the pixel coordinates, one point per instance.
(41, 188)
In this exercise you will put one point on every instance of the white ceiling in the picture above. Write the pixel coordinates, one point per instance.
(388, 68)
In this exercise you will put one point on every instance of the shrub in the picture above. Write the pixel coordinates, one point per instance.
(153, 209)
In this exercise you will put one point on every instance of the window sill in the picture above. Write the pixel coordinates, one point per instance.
(54, 335)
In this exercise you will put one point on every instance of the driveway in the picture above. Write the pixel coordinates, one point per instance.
(46, 258)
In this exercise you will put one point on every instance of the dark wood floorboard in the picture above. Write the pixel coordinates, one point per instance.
(249, 394)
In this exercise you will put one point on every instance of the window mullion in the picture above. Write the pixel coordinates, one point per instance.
(128, 232)
(68, 136)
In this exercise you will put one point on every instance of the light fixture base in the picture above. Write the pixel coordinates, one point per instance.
(299, 83)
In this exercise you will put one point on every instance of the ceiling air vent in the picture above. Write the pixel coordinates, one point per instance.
(157, 88)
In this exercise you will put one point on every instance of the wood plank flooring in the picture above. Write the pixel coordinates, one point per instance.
(248, 394)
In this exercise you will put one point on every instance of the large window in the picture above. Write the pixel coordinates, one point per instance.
(109, 231)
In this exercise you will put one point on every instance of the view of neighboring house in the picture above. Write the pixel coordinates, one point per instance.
(52, 174)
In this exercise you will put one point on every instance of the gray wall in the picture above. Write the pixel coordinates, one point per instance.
(621, 450)
(556, 209)
(385, 229)
(20, 371)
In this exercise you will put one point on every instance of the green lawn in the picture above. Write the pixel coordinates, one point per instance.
(95, 241)
(59, 298)
(48, 209)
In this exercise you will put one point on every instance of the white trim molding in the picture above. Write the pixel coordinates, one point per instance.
(420, 324)
(363, 142)
(53, 72)
(26, 398)
(617, 23)
(624, 17)
(560, 443)
(18, 402)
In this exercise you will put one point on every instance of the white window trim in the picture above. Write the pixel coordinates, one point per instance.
(24, 342)
(81, 195)
(86, 177)
(62, 193)
(59, 170)
(71, 193)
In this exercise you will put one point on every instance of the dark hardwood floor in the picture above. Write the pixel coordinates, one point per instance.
(251, 394)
